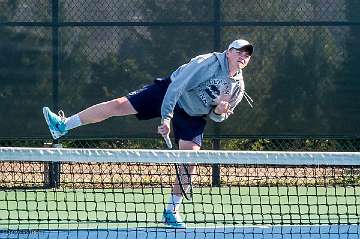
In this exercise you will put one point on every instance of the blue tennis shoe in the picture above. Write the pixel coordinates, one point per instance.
(56, 123)
(173, 219)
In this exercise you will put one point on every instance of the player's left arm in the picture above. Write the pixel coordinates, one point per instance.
(225, 108)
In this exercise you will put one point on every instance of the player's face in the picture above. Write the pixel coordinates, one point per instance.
(238, 58)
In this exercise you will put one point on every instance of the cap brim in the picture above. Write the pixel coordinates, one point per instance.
(248, 48)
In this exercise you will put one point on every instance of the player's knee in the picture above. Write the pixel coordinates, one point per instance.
(188, 145)
(122, 106)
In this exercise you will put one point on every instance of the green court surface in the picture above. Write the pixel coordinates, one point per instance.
(113, 208)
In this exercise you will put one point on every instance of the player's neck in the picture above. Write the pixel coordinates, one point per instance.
(233, 71)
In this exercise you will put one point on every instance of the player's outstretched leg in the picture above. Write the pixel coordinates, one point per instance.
(59, 125)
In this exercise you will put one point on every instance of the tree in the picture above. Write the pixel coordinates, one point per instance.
(293, 69)
(25, 76)
(346, 99)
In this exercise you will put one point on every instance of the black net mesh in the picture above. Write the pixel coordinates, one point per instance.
(112, 195)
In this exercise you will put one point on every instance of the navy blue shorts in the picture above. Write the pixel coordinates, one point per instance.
(147, 102)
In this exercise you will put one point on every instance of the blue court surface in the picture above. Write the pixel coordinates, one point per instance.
(263, 232)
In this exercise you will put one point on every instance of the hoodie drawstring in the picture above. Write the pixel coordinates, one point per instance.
(248, 99)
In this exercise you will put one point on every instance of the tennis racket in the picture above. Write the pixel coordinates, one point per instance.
(182, 174)
(184, 179)
(168, 141)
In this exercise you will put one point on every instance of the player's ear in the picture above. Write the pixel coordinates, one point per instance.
(227, 52)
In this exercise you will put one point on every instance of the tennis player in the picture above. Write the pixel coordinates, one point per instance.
(210, 85)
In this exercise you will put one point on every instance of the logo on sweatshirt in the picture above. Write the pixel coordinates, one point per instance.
(210, 92)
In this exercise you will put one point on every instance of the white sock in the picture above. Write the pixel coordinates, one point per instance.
(174, 203)
(72, 122)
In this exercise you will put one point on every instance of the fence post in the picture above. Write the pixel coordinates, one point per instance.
(217, 27)
(216, 140)
(55, 53)
(54, 167)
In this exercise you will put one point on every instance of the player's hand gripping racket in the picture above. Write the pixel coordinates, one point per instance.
(164, 130)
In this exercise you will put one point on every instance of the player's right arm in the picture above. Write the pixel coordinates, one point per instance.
(184, 78)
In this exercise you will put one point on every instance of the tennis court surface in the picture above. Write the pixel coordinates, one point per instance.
(103, 193)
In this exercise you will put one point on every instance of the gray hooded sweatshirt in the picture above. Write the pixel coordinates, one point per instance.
(200, 85)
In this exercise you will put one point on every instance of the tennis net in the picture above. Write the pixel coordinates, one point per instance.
(267, 194)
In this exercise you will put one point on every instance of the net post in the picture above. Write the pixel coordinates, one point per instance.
(54, 170)
(216, 167)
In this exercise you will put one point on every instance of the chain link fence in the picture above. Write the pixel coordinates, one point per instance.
(70, 54)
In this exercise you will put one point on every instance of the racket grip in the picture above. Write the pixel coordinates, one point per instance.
(168, 141)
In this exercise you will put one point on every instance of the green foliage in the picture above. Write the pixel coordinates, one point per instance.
(301, 91)
(25, 73)
(346, 98)
(112, 77)
(9, 8)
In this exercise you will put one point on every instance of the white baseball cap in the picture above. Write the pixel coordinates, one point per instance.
(241, 43)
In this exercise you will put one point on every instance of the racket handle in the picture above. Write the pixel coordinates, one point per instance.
(168, 141)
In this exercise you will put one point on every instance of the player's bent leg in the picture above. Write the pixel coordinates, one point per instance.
(171, 215)
(186, 145)
(173, 219)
